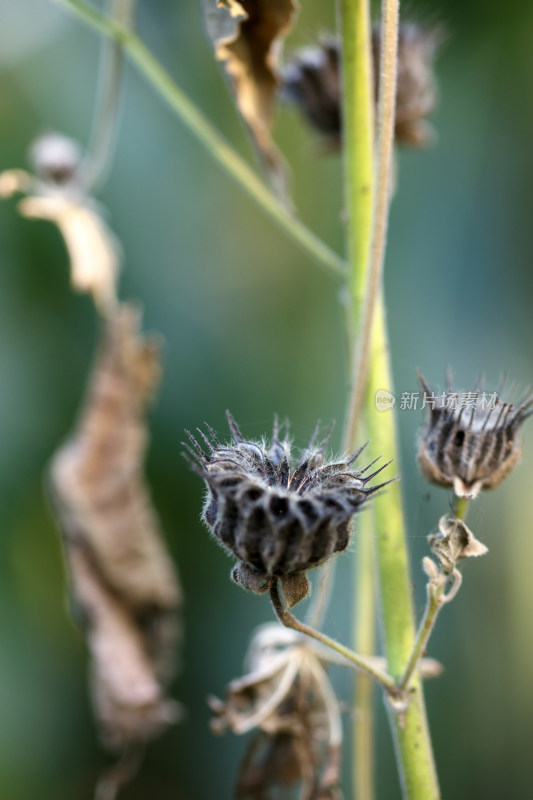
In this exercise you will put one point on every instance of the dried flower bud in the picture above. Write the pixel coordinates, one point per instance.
(312, 82)
(452, 543)
(55, 158)
(278, 520)
(467, 444)
(287, 698)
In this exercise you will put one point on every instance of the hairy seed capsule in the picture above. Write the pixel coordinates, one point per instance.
(312, 82)
(276, 519)
(468, 444)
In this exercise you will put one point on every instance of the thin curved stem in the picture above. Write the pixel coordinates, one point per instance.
(204, 131)
(105, 124)
(358, 662)
(436, 598)
(433, 606)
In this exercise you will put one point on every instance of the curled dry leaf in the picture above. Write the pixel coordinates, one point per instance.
(91, 245)
(454, 542)
(287, 699)
(54, 193)
(247, 36)
(122, 580)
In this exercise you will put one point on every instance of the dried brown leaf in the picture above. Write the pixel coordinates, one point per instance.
(122, 578)
(93, 249)
(247, 37)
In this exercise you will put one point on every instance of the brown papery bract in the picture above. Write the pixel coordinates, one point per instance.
(122, 579)
(247, 37)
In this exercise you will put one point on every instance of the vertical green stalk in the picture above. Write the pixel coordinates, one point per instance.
(358, 133)
(371, 368)
(410, 730)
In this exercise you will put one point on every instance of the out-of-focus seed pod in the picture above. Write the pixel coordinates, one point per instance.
(312, 82)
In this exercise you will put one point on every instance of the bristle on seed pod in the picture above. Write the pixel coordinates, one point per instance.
(312, 82)
(471, 440)
(277, 519)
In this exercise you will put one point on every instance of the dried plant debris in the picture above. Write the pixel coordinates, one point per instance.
(471, 439)
(279, 520)
(287, 700)
(54, 192)
(453, 543)
(312, 81)
(123, 584)
(247, 37)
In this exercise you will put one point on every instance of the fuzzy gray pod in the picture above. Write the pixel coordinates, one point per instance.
(312, 81)
(278, 521)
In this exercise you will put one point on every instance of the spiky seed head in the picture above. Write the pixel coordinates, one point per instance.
(276, 518)
(55, 158)
(470, 447)
(312, 82)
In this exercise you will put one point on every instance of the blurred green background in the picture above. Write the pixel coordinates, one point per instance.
(252, 326)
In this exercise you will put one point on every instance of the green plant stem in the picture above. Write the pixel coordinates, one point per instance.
(204, 131)
(410, 730)
(434, 604)
(358, 141)
(358, 156)
(385, 154)
(357, 661)
(460, 507)
(365, 644)
(105, 125)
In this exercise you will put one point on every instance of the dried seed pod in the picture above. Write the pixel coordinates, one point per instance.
(467, 444)
(278, 520)
(453, 543)
(312, 82)
(122, 579)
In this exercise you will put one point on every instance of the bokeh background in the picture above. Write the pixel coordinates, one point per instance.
(251, 325)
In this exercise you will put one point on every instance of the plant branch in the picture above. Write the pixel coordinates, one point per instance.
(364, 643)
(436, 598)
(105, 125)
(385, 153)
(410, 730)
(358, 141)
(358, 662)
(204, 131)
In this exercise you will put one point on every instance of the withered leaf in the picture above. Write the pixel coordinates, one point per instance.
(121, 576)
(93, 249)
(247, 37)
(286, 698)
